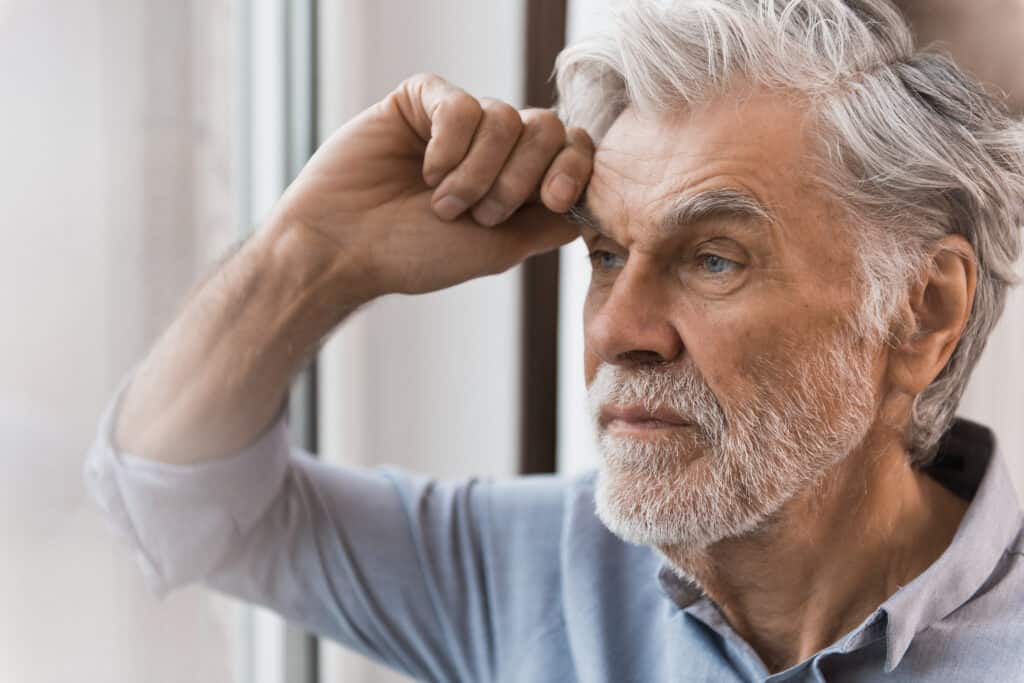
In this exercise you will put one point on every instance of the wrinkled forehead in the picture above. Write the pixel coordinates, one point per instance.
(757, 145)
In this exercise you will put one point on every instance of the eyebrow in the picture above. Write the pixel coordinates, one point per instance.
(725, 202)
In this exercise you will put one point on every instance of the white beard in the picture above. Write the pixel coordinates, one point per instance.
(737, 466)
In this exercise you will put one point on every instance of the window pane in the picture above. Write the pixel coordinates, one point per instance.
(117, 186)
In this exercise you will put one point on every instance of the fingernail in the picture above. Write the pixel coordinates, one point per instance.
(449, 207)
(563, 189)
(489, 212)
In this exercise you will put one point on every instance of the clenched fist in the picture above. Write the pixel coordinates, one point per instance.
(426, 189)
(431, 187)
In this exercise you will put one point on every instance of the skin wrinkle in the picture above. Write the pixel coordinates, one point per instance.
(733, 206)
(781, 503)
(717, 167)
(863, 208)
(882, 109)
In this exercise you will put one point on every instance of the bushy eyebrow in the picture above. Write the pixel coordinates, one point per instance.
(724, 202)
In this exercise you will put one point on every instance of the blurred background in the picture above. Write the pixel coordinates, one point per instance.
(140, 140)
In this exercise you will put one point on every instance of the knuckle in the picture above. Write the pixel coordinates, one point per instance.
(423, 78)
(461, 105)
(503, 118)
(546, 129)
(498, 107)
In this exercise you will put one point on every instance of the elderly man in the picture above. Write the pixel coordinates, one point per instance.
(802, 232)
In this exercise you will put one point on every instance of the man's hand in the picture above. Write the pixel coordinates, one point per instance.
(406, 193)
(400, 199)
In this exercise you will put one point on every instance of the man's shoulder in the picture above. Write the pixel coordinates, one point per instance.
(560, 510)
(579, 499)
(581, 486)
(569, 491)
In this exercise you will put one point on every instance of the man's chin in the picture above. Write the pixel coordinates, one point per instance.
(681, 504)
(652, 507)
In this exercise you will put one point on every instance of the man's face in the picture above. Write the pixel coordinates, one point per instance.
(722, 372)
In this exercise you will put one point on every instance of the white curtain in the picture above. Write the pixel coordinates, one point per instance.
(115, 183)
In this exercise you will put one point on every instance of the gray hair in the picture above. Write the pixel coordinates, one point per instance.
(911, 147)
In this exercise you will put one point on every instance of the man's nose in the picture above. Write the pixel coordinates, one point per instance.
(632, 325)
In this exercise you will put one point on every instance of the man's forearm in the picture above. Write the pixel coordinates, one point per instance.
(360, 220)
(220, 372)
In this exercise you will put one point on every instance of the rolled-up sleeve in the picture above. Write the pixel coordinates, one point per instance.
(396, 565)
(181, 520)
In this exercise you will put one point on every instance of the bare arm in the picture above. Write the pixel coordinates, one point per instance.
(395, 201)
(219, 373)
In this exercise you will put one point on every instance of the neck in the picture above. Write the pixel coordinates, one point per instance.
(829, 557)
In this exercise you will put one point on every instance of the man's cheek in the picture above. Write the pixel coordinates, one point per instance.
(591, 362)
(591, 359)
(740, 374)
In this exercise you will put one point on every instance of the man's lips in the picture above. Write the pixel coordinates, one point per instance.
(638, 418)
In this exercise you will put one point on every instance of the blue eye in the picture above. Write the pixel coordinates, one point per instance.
(716, 264)
(605, 260)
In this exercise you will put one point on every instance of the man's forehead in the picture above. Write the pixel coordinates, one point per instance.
(752, 147)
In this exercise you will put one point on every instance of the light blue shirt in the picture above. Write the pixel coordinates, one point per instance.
(518, 580)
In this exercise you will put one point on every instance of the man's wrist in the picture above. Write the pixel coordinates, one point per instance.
(325, 282)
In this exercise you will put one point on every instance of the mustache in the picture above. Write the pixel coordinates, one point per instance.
(681, 389)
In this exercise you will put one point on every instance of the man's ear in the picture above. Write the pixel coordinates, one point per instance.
(936, 314)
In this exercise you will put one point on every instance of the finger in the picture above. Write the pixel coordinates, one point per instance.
(442, 115)
(542, 137)
(533, 230)
(569, 172)
(453, 124)
(495, 138)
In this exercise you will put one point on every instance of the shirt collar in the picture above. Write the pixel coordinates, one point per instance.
(966, 464)
(679, 589)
